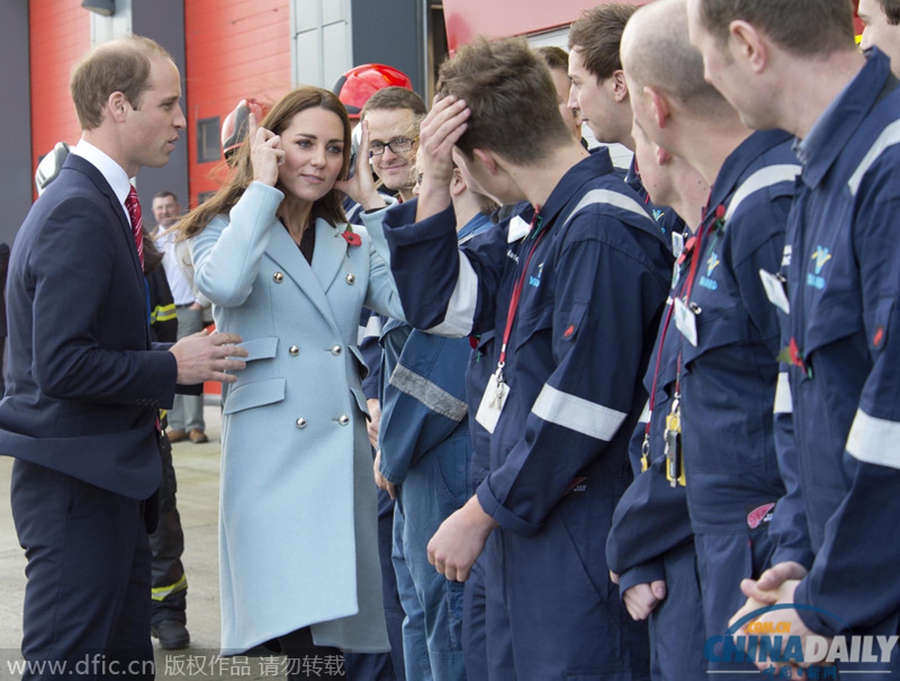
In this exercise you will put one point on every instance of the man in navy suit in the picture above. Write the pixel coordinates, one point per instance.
(85, 383)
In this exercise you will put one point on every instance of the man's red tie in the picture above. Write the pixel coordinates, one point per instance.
(133, 204)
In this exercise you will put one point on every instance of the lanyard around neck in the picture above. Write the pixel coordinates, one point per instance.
(535, 234)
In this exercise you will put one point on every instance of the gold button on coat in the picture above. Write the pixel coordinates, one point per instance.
(278, 277)
(293, 351)
(343, 419)
(351, 278)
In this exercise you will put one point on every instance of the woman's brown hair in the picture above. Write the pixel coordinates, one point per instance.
(329, 207)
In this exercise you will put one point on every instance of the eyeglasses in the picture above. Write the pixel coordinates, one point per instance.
(399, 145)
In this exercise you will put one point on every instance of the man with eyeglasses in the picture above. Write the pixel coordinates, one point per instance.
(393, 116)
(400, 108)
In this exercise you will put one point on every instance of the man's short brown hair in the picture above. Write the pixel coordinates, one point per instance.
(597, 34)
(392, 98)
(508, 88)
(554, 57)
(164, 194)
(891, 10)
(121, 65)
(804, 27)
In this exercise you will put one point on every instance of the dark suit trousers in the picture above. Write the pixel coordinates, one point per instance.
(88, 577)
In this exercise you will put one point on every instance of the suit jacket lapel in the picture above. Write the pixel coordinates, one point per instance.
(284, 251)
(102, 185)
(125, 231)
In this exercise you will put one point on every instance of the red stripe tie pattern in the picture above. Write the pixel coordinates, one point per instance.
(133, 204)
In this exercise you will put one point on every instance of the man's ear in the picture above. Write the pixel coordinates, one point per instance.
(458, 184)
(619, 86)
(117, 106)
(659, 105)
(487, 159)
(747, 43)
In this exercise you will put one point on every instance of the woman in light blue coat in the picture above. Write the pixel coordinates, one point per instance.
(271, 250)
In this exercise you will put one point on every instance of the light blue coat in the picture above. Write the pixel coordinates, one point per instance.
(297, 520)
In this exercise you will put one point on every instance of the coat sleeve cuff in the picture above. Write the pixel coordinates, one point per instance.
(641, 574)
(394, 475)
(507, 520)
(167, 398)
(816, 619)
(790, 554)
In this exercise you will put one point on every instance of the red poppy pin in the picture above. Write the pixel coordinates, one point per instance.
(796, 356)
(720, 217)
(351, 237)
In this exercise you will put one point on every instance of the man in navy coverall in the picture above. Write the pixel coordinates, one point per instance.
(651, 544)
(600, 94)
(726, 363)
(574, 306)
(795, 66)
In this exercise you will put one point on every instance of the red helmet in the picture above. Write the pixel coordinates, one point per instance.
(359, 83)
(234, 127)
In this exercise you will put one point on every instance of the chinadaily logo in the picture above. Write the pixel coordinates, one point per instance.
(770, 642)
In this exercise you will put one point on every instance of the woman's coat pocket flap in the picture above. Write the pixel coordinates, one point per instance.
(260, 348)
(254, 394)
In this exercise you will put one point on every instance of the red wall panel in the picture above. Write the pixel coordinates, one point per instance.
(59, 34)
(233, 49)
(466, 19)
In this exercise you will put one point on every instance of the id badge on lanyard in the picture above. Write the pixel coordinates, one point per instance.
(776, 290)
(492, 402)
(497, 390)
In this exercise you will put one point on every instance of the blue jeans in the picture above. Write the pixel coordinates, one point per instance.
(436, 486)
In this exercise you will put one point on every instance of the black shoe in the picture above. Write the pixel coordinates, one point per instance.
(172, 634)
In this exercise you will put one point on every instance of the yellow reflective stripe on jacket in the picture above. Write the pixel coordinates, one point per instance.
(163, 313)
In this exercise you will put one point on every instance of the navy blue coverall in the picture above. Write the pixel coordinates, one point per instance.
(725, 366)
(591, 298)
(651, 536)
(843, 283)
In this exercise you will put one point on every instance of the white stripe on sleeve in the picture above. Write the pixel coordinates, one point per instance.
(577, 413)
(874, 440)
(460, 315)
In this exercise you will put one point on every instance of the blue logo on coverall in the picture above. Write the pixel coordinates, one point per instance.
(712, 262)
(821, 256)
(760, 641)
